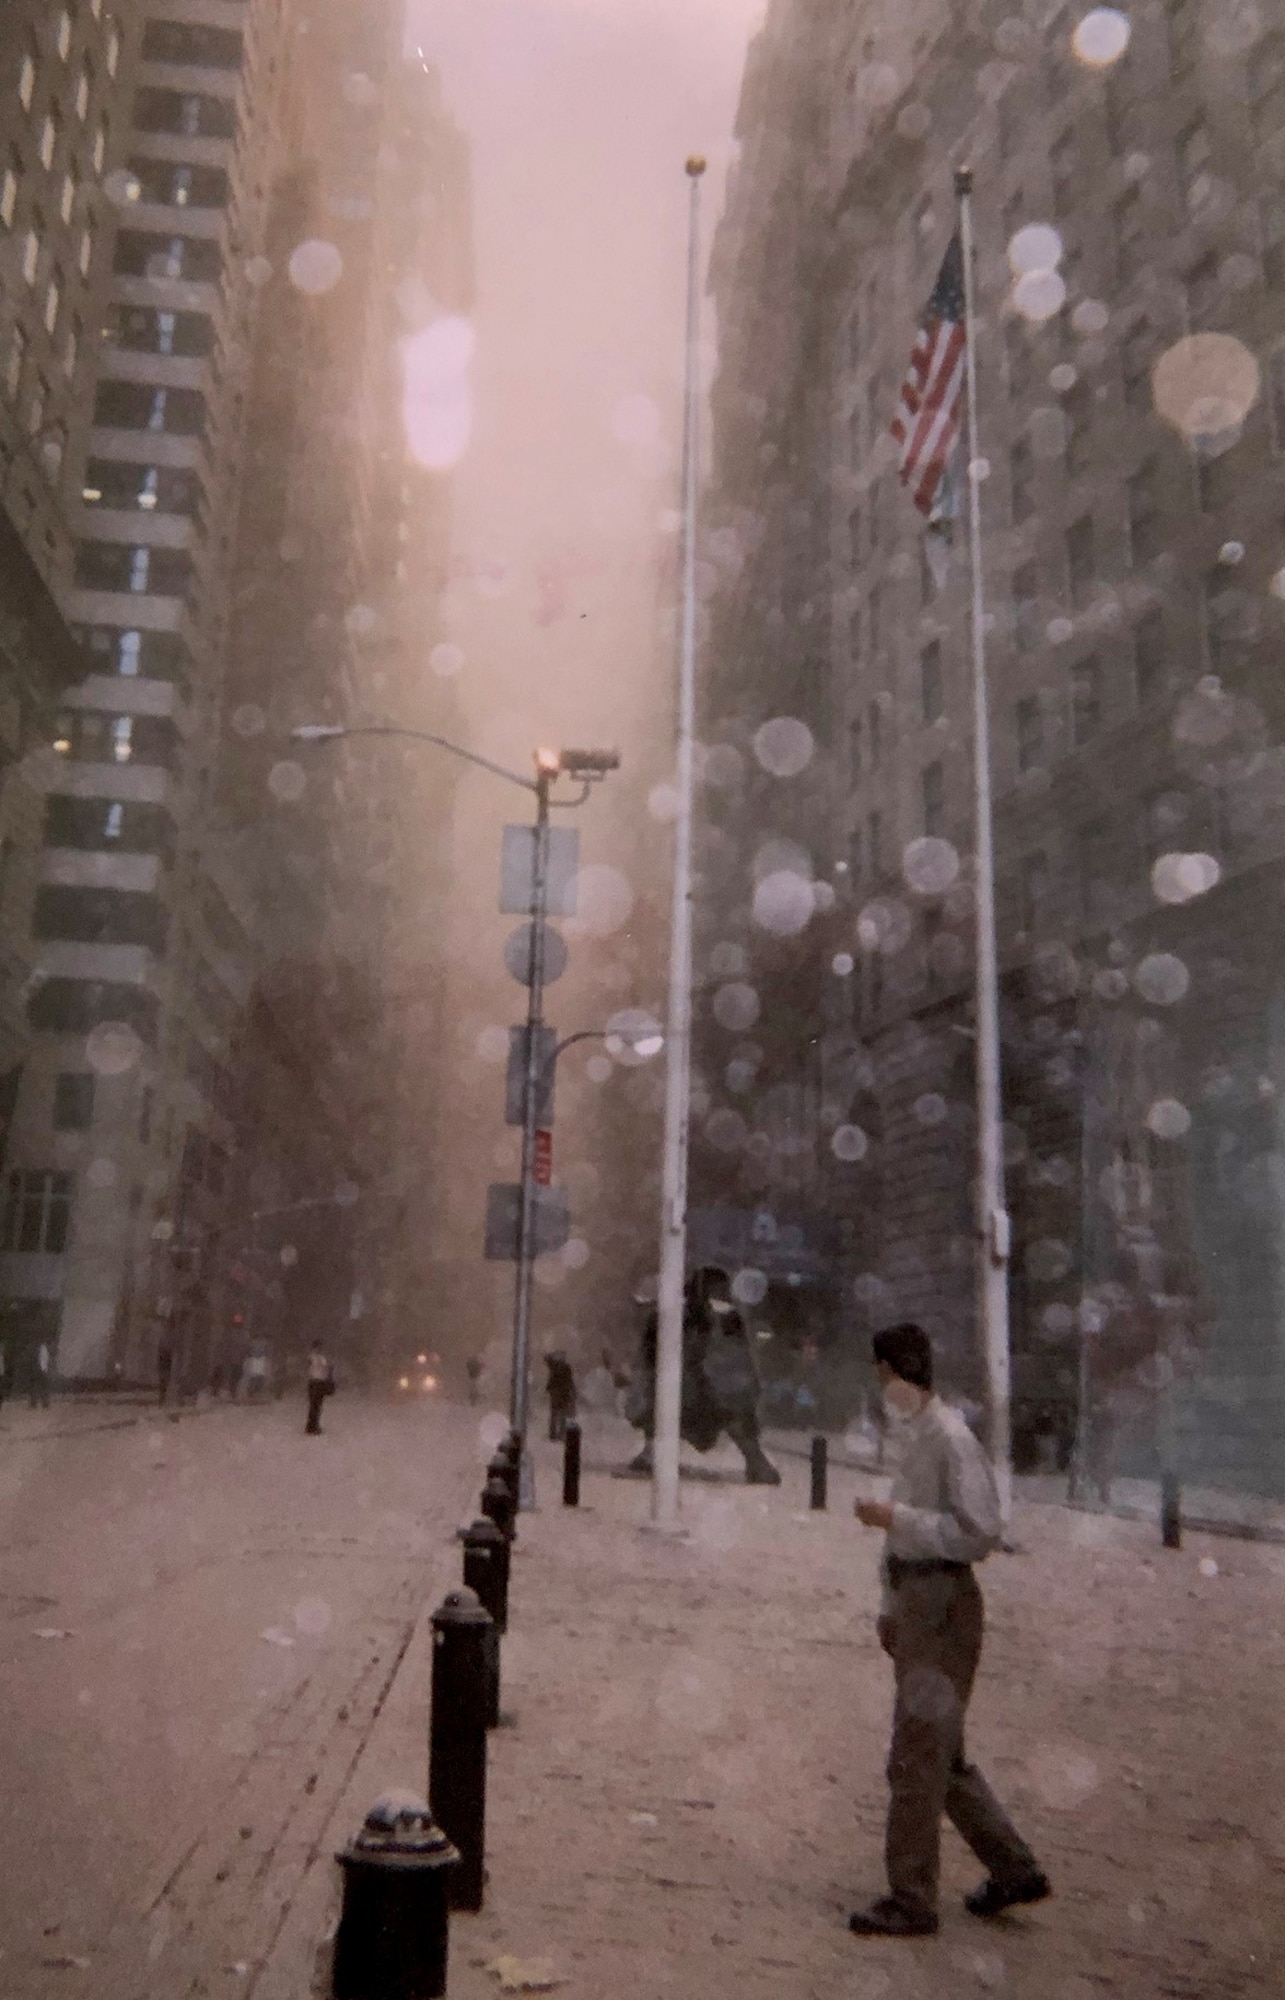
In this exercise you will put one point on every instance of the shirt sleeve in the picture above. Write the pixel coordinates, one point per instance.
(969, 1526)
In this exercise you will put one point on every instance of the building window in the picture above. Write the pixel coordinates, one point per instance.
(875, 732)
(37, 406)
(1184, 39)
(1193, 161)
(37, 1213)
(1130, 234)
(71, 349)
(1135, 365)
(14, 364)
(1204, 291)
(1030, 732)
(1094, 860)
(1080, 558)
(1078, 406)
(930, 680)
(1150, 671)
(53, 301)
(1276, 396)
(1062, 170)
(1026, 605)
(1271, 234)
(86, 253)
(27, 80)
(84, 85)
(1086, 702)
(934, 792)
(855, 734)
(1021, 467)
(100, 148)
(1034, 892)
(31, 253)
(74, 1101)
(64, 34)
(874, 844)
(48, 140)
(9, 194)
(67, 200)
(1144, 517)
(113, 51)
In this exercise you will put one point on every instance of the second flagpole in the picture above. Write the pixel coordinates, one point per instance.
(667, 1413)
(993, 1227)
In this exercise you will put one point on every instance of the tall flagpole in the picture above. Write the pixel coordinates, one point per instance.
(992, 1215)
(667, 1417)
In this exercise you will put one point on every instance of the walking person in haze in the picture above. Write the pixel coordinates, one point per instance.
(942, 1517)
(321, 1381)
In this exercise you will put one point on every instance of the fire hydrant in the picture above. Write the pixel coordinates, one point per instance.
(393, 1932)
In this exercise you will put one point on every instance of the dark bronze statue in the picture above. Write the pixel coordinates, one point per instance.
(720, 1383)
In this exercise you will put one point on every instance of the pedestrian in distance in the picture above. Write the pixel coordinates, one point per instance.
(560, 1386)
(4, 1373)
(41, 1368)
(164, 1370)
(473, 1369)
(943, 1516)
(321, 1383)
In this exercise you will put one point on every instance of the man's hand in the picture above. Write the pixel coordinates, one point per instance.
(873, 1513)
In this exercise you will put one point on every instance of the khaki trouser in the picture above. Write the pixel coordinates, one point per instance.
(936, 1642)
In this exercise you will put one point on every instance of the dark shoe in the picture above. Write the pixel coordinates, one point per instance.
(993, 1898)
(761, 1472)
(643, 1461)
(889, 1918)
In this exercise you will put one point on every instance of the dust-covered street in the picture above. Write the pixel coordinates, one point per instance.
(215, 1657)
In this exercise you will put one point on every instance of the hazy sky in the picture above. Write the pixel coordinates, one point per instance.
(580, 115)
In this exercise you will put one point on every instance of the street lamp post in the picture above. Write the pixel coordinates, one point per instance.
(587, 768)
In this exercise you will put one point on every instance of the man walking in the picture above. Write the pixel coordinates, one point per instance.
(943, 1516)
(321, 1380)
(40, 1371)
(561, 1390)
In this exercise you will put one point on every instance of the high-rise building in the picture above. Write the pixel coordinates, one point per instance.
(1132, 557)
(238, 481)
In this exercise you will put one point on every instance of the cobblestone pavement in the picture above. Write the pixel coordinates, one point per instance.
(691, 1797)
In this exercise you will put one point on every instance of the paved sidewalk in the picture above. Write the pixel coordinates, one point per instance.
(692, 1797)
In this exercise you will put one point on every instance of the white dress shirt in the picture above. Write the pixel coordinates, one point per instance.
(945, 1503)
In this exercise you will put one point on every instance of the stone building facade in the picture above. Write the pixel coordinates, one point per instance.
(233, 537)
(1133, 577)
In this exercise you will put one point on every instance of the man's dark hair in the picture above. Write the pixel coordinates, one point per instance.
(907, 1350)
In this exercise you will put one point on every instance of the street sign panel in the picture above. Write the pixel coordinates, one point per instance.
(543, 1159)
(552, 1221)
(517, 871)
(517, 955)
(515, 1077)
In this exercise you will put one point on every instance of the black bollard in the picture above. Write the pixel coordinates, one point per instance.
(818, 1473)
(497, 1505)
(571, 1465)
(486, 1568)
(462, 1635)
(394, 1930)
(1170, 1511)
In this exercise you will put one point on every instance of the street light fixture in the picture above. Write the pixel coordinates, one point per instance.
(588, 767)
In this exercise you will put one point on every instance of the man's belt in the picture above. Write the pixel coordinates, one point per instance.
(904, 1566)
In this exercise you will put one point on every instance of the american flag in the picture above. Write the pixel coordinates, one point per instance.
(927, 420)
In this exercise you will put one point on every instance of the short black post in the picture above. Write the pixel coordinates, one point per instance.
(571, 1465)
(1170, 1510)
(394, 1931)
(462, 1636)
(497, 1505)
(818, 1473)
(486, 1568)
(486, 1574)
